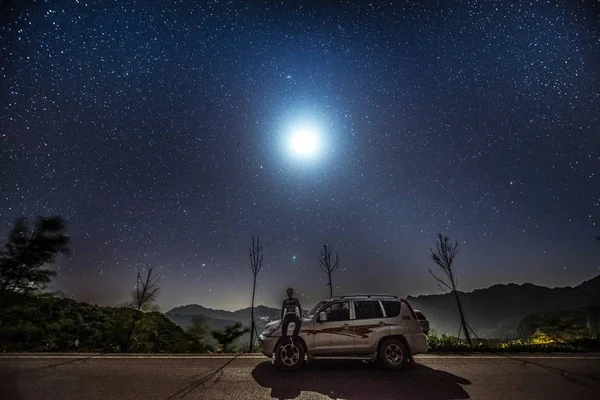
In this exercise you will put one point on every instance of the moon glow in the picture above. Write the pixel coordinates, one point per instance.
(304, 140)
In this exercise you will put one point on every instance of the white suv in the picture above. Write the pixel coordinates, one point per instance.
(355, 327)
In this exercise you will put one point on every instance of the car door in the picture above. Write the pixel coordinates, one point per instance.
(334, 336)
(370, 325)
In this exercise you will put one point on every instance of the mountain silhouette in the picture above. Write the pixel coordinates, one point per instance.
(495, 312)
(183, 315)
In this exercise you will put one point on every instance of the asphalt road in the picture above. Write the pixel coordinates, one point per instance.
(253, 377)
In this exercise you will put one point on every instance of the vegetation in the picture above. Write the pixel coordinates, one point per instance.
(540, 343)
(46, 323)
(200, 331)
(562, 325)
(228, 336)
(32, 320)
(25, 256)
(144, 298)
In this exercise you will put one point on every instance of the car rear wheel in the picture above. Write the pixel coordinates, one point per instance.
(289, 354)
(393, 354)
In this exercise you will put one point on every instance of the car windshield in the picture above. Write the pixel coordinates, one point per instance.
(315, 309)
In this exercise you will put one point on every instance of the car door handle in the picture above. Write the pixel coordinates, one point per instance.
(381, 323)
(346, 326)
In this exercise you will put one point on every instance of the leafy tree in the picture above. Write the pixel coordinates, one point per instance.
(255, 258)
(43, 323)
(200, 331)
(144, 298)
(328, 266)
(443, 256)
(24, 256)
(229, 335)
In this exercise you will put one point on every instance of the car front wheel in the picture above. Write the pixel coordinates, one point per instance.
(289, 355)
(393, 354)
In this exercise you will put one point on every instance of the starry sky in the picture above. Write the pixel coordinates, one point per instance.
(158, 130)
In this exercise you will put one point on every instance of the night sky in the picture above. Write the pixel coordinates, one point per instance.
(160, 130)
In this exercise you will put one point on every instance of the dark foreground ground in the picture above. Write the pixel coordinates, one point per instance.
(253, 377)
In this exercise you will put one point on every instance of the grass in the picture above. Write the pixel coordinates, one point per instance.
(537, 344)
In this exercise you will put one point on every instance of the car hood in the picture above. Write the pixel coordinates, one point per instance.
(278, 322)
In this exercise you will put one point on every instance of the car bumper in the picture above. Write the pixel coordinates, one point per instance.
(418, 343)
(267, 345)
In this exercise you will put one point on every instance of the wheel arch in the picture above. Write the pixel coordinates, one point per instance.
(302, 342)
(401, 338)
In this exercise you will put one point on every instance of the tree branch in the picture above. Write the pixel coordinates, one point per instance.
(440, 281)
(255, 256)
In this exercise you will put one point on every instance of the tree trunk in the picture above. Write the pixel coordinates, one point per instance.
(462, 318)
(3, 301)
(460, 311)
(131, 330)
(250, 347)
(330, 285)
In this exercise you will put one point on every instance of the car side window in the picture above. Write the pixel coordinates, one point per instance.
(392, 308)
(338, 311)
(367, 310)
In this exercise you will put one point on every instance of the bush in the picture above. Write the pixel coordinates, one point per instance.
(540, 343)
(45, 323)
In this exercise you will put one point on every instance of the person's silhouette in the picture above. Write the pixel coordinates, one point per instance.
(291, 311)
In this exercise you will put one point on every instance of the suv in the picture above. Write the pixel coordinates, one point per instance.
(367, 327)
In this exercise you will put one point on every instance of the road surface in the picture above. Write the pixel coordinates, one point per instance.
(86, 377)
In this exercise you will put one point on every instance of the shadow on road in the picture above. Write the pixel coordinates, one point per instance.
(8, 384)
(572, 377)
(203, 382)
(359, 381)
(62, 363)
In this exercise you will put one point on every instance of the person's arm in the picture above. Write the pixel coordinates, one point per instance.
(300, 308)
(282, 308)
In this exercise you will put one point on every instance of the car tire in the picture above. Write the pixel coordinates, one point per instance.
(289, 355)
(393, 354)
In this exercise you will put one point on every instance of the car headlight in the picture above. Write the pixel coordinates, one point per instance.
(270, 329)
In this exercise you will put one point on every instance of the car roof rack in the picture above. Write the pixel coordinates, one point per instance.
(366, 295)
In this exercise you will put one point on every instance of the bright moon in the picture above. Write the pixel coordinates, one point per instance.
(304, 141)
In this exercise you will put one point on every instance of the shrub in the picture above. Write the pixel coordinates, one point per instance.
(540, 343)
(45, 323)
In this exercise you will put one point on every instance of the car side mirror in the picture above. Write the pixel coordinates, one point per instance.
(323, 317)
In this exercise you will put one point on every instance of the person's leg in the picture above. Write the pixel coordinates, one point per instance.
(284, 326)
(297, 325)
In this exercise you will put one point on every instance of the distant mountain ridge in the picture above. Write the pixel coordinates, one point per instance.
(219, 319)
(493, 312)
(261, 313)
(496, 311)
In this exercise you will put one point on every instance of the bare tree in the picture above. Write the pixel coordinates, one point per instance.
(144, 297)
(255, 258)
(444, 256)
(328, 267)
